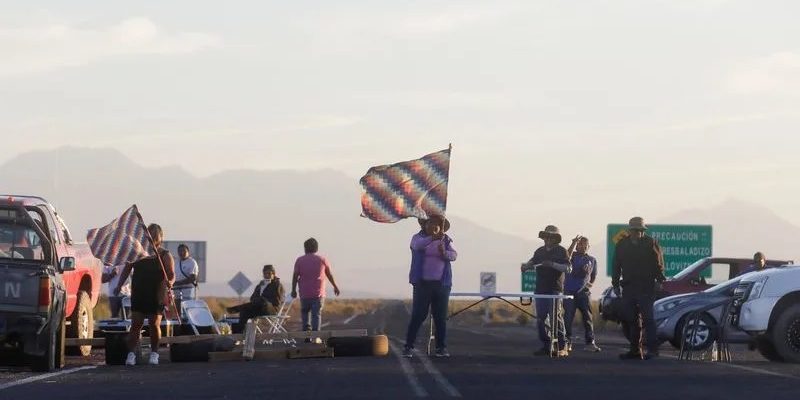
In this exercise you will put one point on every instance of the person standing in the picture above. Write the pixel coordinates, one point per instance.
(266, 299)
(637, 273)
(111, 274)
(551, 262)
(431, 276)
(759, 264)
(150, 284)
(310, 271)
(578, 283)
(187, 271)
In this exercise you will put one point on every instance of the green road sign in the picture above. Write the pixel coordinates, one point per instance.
(528, 281)
(681, 244)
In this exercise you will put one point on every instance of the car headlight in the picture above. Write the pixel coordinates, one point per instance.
(758, 288)
(669, 305)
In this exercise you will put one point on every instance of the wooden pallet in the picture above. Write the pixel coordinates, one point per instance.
(100, 342)
(281, 354)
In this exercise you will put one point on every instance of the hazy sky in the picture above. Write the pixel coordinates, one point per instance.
(577, 113)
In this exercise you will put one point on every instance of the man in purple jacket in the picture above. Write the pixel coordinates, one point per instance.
(431, 276)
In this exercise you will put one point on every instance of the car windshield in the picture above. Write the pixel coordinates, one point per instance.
(688, 270)
(19, 242)
(723, 287)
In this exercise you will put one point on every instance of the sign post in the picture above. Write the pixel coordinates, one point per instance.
(239, 283)
(681, 245)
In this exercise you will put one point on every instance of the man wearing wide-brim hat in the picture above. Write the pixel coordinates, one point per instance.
(637, 270)
(551, 262)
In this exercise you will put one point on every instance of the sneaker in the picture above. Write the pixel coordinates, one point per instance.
(569, 347)
(592, 347)
(542, 352)
(562, 353)
(442, 353)
(650, 355)
(153, 358)
(408, 352)
(131, 360)
(631, 355)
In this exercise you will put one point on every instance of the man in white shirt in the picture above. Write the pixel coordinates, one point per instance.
(186, 271)
(111, 275)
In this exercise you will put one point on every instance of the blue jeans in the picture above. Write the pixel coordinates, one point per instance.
(429, 295)
(581, 303)
(544, 317)
(313, 307)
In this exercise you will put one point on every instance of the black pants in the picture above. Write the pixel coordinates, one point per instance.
(639, 315)
(429, 295)
(251, 310)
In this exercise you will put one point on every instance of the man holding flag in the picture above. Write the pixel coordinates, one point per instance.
(124, 241)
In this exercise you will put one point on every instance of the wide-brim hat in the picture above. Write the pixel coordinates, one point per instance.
(441, 220)
(637, 224)
(550, 231)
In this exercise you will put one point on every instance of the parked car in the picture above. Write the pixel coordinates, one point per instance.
(767, 306)
(672, 315)
(701, 275)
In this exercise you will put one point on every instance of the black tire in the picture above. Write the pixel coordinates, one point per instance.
(81, 324)
(61, 348)
(704, 337)
(785, 334)
(626, 330)
(363, 346)
(117, 348)
(767, 349)
(49, 361)
(198, 351)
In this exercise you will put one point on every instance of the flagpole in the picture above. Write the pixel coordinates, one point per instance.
(161, 263)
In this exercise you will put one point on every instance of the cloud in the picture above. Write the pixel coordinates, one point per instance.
(777, 73)
(50, 47)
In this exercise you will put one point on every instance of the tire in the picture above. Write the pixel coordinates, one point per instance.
(626, 330)
(703, 338)
(51, 359)
(785, 334)
(81, 324)
(116, 350)
(61, 348)
(198, 351)
(364, 346)
(767, 349)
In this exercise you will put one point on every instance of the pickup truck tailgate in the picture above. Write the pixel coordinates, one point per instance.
(19, 288)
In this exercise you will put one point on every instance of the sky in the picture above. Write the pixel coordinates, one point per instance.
(575, 113)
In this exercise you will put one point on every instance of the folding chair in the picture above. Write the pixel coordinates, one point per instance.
(275, 322)
(198, 315)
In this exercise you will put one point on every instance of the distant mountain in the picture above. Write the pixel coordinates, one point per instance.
(250, 218)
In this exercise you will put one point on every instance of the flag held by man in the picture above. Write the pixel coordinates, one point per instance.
(415, 188)
(123, 240)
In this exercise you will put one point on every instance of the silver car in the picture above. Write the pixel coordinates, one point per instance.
(671, 314)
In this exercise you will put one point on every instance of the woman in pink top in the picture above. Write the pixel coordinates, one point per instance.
(310, 271)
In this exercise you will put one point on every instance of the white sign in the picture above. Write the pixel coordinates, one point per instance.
(488, 283)
(239, 283)
(197, 250)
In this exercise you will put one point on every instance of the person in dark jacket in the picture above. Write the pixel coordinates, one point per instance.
(431, 276)
(551, 263)
(266, 299)
(637, 273)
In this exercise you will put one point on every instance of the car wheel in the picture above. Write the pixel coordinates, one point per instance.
(697, 333)
(767, 349)
(82, 324)
(786, 334)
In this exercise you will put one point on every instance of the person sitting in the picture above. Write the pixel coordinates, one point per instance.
(266, 299)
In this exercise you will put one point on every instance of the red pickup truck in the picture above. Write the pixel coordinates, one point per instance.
(34, 238)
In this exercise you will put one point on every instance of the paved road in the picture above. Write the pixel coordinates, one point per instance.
(486, 363)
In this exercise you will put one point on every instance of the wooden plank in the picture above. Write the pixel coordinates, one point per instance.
(260, 355)
(317, 352)
(100, 342)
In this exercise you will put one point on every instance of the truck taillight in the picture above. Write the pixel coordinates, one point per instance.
(45, 297)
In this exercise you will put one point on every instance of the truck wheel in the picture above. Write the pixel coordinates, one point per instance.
(47, 362)
(786, 334)
(82, 324)
(767, 349)
(60, 360)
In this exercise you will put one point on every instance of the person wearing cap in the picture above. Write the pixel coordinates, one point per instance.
(637, 273)
(431, 275)
(551, 262)
(578, 284)
(266, 299)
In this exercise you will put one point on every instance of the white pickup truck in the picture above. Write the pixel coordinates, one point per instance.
(767, 306)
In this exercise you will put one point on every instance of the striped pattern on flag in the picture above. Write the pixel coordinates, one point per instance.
(416, 188)
(123, 240)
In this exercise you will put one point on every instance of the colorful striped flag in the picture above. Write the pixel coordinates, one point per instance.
(123, 240)
(416, 188)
